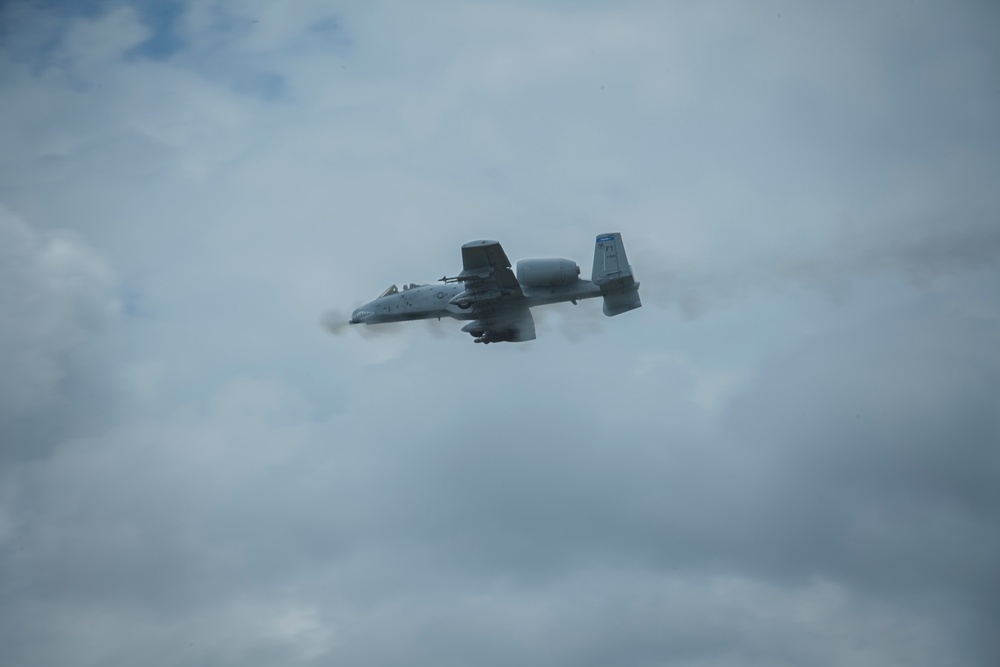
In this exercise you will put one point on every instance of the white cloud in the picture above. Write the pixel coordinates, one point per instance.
(92, 44)
(56, 292)
(701, 490)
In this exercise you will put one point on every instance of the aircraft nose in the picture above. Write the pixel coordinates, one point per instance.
(360, 315)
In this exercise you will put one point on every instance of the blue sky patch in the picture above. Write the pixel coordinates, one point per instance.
(160, 17)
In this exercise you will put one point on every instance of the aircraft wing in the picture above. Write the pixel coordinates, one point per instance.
(486, 271)
(494, 294)
(500, 321)
(520, 326)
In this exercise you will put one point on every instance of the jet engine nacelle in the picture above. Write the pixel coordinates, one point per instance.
(547, 272)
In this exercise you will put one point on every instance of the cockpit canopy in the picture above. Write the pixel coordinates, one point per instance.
(391, 289)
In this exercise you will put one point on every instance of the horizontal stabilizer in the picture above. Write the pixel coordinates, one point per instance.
(621, 301)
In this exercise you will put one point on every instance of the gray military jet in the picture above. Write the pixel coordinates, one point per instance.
(496, 301)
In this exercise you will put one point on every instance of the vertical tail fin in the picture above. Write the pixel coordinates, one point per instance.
(613, 275)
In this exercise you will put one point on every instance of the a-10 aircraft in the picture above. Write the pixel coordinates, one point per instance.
(497, 302)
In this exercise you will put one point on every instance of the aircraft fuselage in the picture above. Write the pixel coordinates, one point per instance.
(422, 302)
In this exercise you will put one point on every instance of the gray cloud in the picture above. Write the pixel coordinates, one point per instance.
(58, 296)
(799, 469)
(56, 291)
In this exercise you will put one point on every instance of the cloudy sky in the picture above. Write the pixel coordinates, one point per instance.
(789, 456)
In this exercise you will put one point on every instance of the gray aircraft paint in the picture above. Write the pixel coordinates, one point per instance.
(489, 294)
